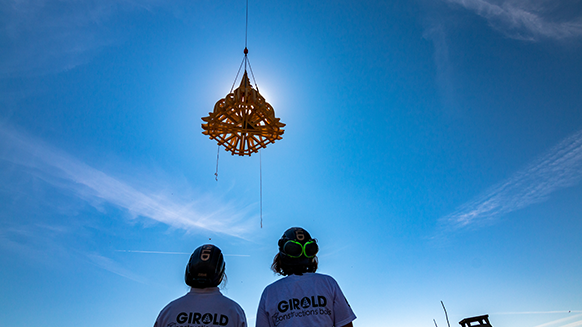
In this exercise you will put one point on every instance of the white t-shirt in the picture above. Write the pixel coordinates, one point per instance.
(308, 300)
(202, 307)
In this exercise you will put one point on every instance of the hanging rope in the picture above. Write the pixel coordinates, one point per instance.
(246, 61)
(246, 50)
(238, 72)
(253, 75)
(261, 184)
(217, 155)
(247, 27)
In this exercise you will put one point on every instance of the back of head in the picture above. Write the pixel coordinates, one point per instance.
(297, 253)
(205, 268)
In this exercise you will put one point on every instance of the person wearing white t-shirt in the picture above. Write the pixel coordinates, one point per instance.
(303, 297)
(204, 305)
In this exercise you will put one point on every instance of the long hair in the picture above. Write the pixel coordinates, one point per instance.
(285, 266)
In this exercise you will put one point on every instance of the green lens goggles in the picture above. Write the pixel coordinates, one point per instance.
(295, 249)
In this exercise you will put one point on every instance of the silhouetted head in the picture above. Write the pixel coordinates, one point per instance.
(297, 253)
(205, 268)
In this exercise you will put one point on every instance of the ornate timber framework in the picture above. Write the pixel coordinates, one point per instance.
(243, 122)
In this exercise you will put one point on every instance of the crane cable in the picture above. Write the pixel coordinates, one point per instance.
(246, 61)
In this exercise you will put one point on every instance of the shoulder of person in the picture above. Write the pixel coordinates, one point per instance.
(178, 300)
(323, 277)
(231, 301)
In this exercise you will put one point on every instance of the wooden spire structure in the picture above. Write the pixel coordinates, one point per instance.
(243, 122)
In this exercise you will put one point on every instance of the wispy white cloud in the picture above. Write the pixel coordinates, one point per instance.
(83, 181)
(436, 33)
(151, 252)
(49, 36)
(540, 312)
(181, 253)
(573, 324)
(114, 267)
(527, 20)
(559, 168)
(560, 322)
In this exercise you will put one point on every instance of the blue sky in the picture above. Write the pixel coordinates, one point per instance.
(434, 148)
